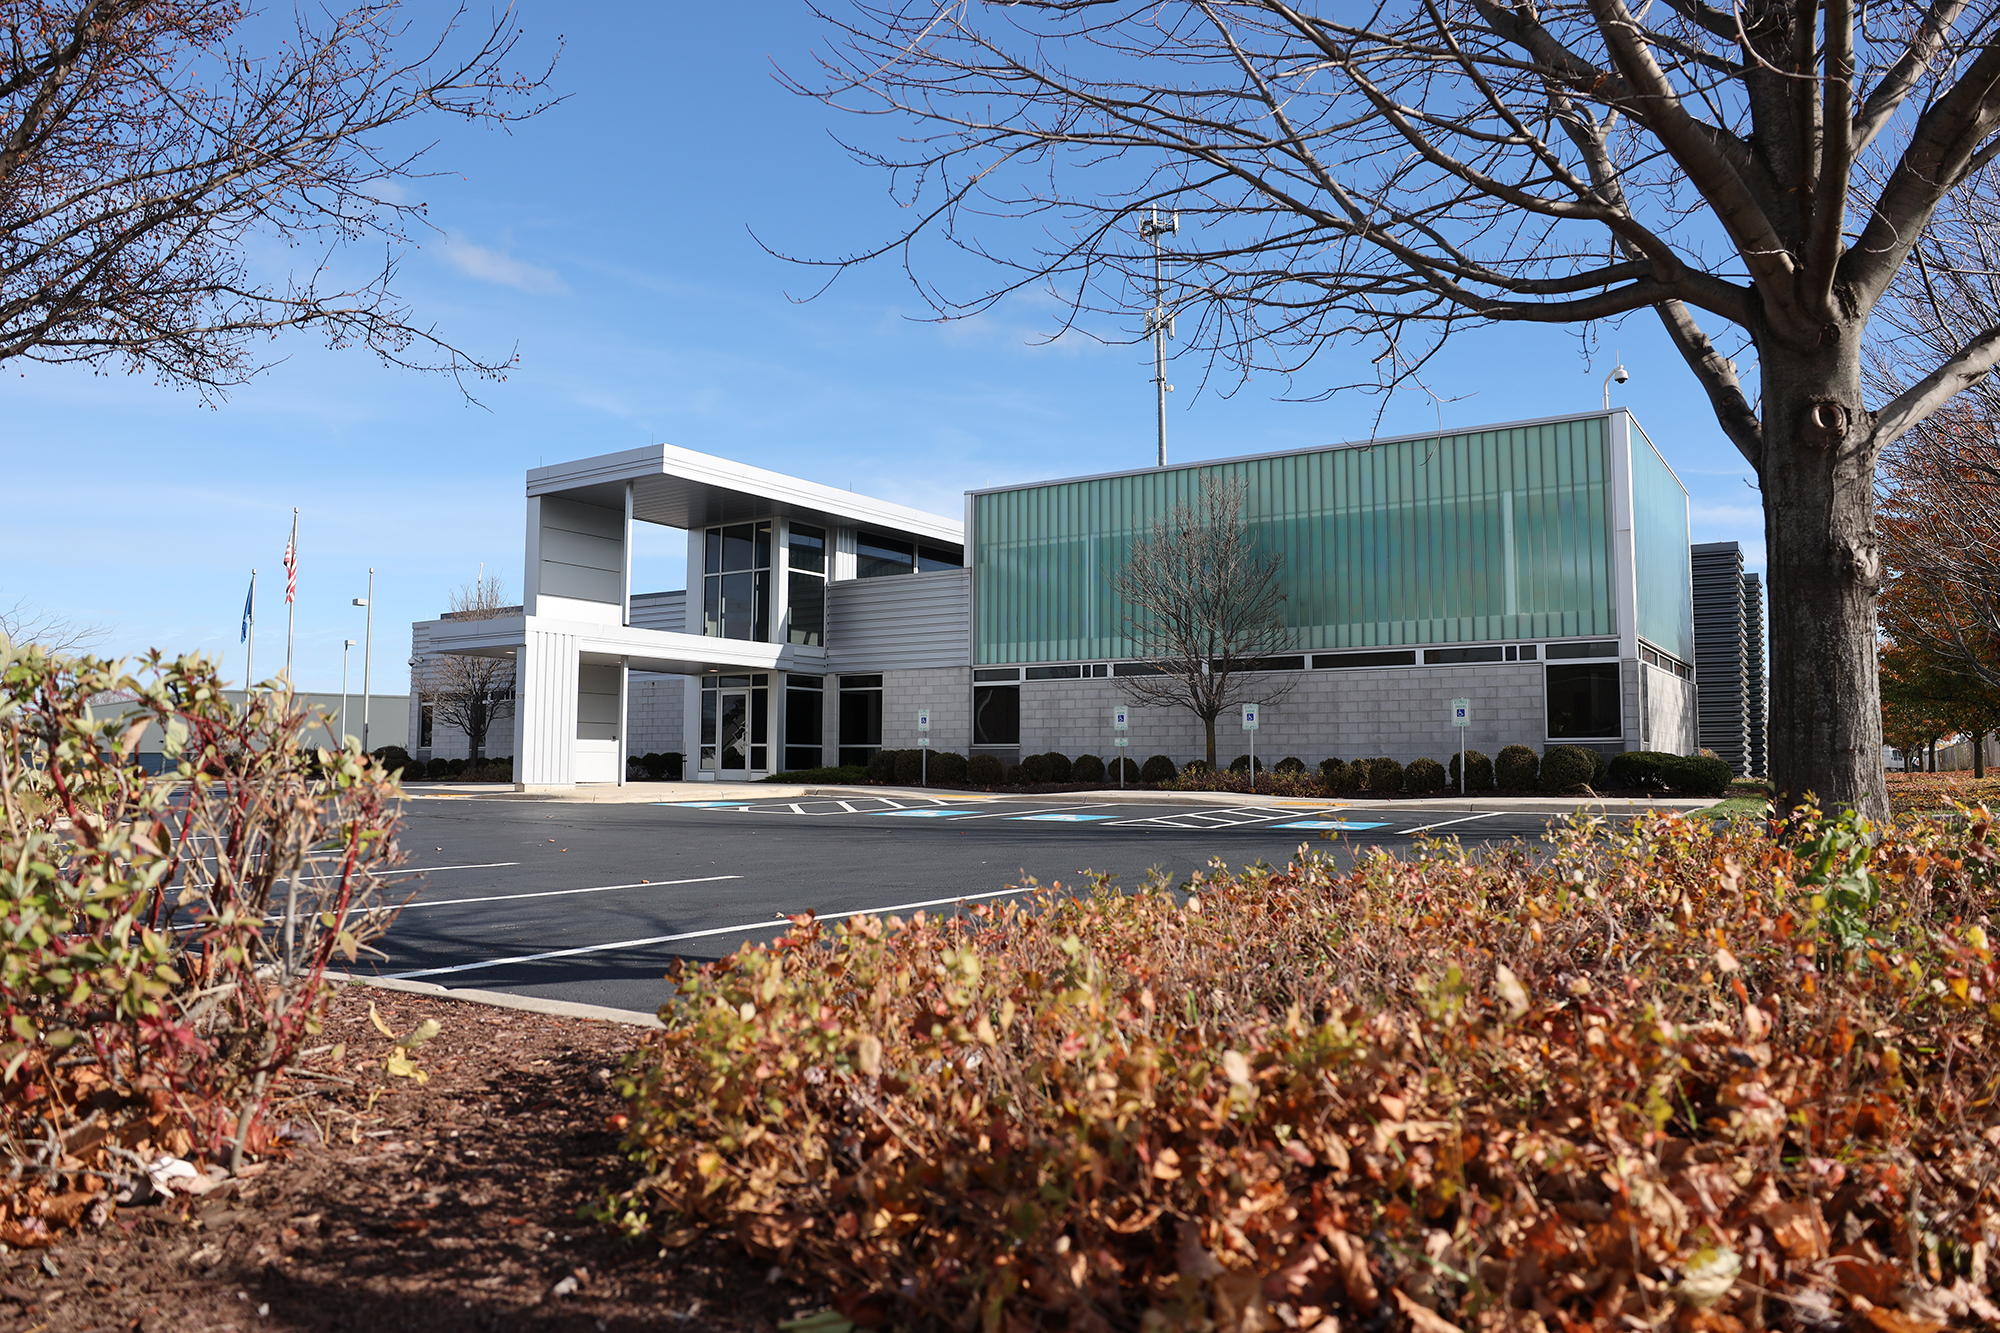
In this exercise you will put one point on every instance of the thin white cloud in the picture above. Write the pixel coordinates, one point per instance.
(476, 261)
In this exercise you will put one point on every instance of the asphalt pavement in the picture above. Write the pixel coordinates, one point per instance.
(591, 902)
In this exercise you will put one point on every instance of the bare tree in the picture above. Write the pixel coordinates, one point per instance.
(142, 151)
(57, 635)
(1204, 608)
(470, 693)
(1387, 174)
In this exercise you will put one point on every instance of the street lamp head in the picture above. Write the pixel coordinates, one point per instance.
(347, 643)
(361, 601)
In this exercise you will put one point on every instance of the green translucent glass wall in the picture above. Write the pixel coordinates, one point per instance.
(1488, 535)
(1660, 552)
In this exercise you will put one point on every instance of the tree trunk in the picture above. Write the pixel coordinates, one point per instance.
(1978, 756)
(1209, 724)
(1819, 519)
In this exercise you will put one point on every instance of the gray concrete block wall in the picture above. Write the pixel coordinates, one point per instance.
(1670, 706)
(946, 691)
(653, 709)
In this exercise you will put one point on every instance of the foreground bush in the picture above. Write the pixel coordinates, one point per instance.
(149, 998)
(1675, 1076)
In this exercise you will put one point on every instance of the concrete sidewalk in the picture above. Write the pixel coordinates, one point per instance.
(649, 793)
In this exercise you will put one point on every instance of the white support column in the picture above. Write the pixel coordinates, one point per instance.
(625, 577)
(545, 709)
(625, 671)
(1624, 568)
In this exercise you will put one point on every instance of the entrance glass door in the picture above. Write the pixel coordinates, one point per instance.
(733, 733)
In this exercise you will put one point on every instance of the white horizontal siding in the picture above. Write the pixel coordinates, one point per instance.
(660, 610)
(900, 623)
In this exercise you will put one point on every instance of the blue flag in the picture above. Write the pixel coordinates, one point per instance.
(249, 610)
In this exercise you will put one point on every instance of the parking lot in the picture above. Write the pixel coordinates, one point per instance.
(591, 902)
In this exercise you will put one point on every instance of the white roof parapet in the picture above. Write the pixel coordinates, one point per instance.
(684, 489)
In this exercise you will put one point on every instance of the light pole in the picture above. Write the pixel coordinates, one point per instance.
(367, 653)
(345, 645)
(1158, 322)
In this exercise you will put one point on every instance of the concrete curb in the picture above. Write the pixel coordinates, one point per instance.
(502, 1000)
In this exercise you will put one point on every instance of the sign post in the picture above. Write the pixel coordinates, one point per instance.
(923, 745)
(1461, 717)
(1250, 715)
(1118, 722)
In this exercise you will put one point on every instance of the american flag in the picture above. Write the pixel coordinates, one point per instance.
(292, 561)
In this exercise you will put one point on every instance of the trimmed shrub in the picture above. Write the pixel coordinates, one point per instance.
(1060, 767)
(910, 767)
(454, 767)
(1038, 769)
(1159, 769)
(1478, 772)
(947, 766)
(1289, 764)
(1385, 776)
(1516, 769)
(1566, 768)
(1599, 767)
(392, 757)
(1241, 764)
(1086, 768)
(1125, 771)
(1639, 768)
(1338, 776)
(1195, 766)
(1698, 775)
(985, 770)
(1018, 776)
(437, 769)
(672, 766)
(1424, 775)
(882, 766)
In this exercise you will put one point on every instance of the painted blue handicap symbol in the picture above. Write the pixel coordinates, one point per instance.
(1059, 819)
(1344, 825)
(922, 814)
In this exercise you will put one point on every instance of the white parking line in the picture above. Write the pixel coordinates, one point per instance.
(426, 870)
(549, 893)
(776, 924)
(1442, 822)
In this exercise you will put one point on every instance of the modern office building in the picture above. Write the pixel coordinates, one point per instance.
(1729, 656)
(1539, 569)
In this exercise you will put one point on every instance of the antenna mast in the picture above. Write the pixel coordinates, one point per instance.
(1159, 323)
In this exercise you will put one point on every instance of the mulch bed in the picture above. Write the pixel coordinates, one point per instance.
(444, 1206)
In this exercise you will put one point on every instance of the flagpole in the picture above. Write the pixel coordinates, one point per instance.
(291, 590)
(250, 640)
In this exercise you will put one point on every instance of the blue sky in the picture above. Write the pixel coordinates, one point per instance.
(611, 241)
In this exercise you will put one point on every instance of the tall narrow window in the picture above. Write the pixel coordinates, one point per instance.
(805, 704)
(736, 588)
(806, 585)
(996, 715)
(860, 718)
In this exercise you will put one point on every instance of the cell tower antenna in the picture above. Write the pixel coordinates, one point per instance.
(1160, 323)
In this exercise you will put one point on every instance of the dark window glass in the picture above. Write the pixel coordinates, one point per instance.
(713, 542)
(1584, 701)
(763, 546)
(1527, 652)
(996, 715)
(711, 607)
(808, 599)
(1137, 669)
(1055, 673)
(738, 548)
(997, 673)
(876, 556)
(860, 722)
(802, 717)
(762, 630)
(1340, 661)
(808, 547)
(708, 698)
(734, 681)
(760, 717)
(1100, 669)
(424, 734)
(733, 729)
(1454, 656)
(1582, 650)
(1510, 652)
(805, 682)
(860, 682)
(1272, 664)
(739, 604)
(801, 756)
(930, 558)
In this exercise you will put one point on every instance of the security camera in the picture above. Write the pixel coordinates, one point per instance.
(1620, 375)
